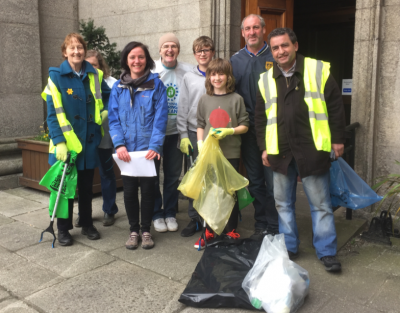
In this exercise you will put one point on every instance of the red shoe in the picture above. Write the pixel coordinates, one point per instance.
(232, 234)
(209, 237)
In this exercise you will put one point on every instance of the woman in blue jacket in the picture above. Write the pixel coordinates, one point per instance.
(70, 98)
(138, 120)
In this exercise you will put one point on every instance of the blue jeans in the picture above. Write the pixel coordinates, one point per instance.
(316, 188)
(261, 183)
(172, 166)
(108, 182)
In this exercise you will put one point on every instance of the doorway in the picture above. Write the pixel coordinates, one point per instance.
(324, 29)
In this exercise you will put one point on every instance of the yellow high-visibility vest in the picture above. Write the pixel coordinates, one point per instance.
(316, 74)
(72, 140)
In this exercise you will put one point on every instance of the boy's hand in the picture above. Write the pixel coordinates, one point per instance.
(185, 142)
(221, 133)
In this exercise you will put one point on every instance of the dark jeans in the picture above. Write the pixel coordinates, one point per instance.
(172, 166)
(131, 199)
(85, 195)
(108, 182)
(261, 186)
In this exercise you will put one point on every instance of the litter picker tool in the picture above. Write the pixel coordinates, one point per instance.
(50, 229)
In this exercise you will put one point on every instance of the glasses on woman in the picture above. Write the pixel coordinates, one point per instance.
(205, 51)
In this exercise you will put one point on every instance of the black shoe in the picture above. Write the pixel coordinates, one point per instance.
(90, 232)
(260, 233)
(77, 222)
(193, 226)
(109, 219)
(64, 238)
(331, 263)
(292, 255)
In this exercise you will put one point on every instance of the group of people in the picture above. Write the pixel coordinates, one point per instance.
(285, 113)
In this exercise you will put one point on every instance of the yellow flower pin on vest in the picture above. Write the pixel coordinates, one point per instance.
(70, 91)
(268, 65)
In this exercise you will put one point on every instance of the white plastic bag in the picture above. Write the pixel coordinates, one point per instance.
(275, 283)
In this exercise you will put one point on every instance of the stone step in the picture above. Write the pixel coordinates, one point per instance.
(10, 164)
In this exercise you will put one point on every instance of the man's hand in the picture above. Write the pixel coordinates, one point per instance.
(122, 154)
(185, 142)
(338, 148)
(151, 155)
(264, 158)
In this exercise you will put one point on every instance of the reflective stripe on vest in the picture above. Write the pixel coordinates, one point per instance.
(66, 128)
(271, 99)
(95, 88)
(316, 74)
(72, 141)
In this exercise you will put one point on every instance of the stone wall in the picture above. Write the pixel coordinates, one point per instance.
(20, 68)
(376, 84)
(58, 18)
(147, 21)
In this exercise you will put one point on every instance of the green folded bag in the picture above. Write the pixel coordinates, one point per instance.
(244, 198)
(52, 179)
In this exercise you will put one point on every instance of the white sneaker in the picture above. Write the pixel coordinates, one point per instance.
(172, 225)
(159, 225)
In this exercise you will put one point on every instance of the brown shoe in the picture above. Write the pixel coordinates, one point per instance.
(133, 241)
(147, 242)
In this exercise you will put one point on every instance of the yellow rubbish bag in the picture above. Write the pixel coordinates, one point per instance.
(212, 182)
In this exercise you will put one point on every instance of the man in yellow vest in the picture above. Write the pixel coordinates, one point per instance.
(299, 119)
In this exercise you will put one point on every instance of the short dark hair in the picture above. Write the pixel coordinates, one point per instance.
(128, 48)
(282, 31)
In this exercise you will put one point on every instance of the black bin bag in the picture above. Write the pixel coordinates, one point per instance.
(217, 279)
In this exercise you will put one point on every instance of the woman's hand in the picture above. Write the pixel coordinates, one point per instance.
(151, 155)
(123, 154)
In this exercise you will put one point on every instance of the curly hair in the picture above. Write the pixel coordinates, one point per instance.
(220, 66)
(102, 63)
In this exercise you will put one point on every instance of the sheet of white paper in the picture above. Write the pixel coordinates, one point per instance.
(138, 166)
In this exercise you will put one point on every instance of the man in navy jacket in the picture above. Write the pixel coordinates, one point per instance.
(255, 58)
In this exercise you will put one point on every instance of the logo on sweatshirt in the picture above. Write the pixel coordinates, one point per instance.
(268, 65)
(172, 98)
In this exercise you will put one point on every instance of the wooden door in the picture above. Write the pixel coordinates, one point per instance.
(276, 13)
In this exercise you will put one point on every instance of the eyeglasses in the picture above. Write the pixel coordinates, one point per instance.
(173, 47)
(205, 51)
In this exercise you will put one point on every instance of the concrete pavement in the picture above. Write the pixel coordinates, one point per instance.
(103, 276)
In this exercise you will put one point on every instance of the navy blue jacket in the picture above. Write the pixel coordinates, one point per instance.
(246, 70)
(79, 107)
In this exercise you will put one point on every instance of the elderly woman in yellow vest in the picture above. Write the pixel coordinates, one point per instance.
(77, 101)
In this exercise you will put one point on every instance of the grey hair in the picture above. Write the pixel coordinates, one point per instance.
(262, 22)
(282, 31)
